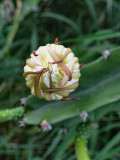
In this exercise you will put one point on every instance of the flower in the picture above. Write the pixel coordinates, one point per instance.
(52, 72)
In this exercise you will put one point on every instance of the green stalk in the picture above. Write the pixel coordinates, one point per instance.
(13, 31)
(11, 114)
(81, 148)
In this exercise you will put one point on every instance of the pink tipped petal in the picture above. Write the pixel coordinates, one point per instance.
(31, 72)
(31, 63)
(64, 93)
(53, 55)
(65, 69)
(66, 53)
(72, 86)
(36, 86)
(64, 80)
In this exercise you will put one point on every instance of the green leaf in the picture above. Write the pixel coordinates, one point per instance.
(65, 143)
(106, 150)
(34, 39)
(53, 146)
(101, 112)
(28, 5)
(92, 10)
(110, 127)
(99, 85)
(61, 18)
(94, 37)
(111, 154)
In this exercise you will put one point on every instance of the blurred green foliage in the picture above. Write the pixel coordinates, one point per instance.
(88, 27)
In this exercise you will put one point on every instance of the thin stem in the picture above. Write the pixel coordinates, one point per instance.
(81, 148)
(14, 29)
(101, 58)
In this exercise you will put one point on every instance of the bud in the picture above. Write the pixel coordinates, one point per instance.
(21, 123)
(106, 54)
(45, 125)
(23, 101)
(52, 72)
(84, 116)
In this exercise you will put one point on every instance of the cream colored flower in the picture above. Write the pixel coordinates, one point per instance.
(52, 72)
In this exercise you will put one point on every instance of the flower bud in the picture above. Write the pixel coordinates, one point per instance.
(52, 72)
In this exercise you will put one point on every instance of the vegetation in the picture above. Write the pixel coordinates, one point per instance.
(91, 28)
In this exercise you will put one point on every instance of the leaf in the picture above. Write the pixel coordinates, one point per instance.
(94, 37)
(110, 127)
(99, 85)
(92, 10)
(109, 6)
(112, 153)
(53, 146)
(34, 39)
(101, 112)
(28, 5)
(61, 18)
(65, 143)
(115, 140)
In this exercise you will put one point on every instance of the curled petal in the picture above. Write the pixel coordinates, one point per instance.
(73, 86)
(53, 55)
(66, 53)
(32, 72)
(31, 63)
(65, 69)
(36, 86)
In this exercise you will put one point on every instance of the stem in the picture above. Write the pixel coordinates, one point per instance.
(14, 29)
(99, 59)
(11, 114)
(81, 148)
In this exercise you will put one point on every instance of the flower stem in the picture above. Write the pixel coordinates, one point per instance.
(81, 148)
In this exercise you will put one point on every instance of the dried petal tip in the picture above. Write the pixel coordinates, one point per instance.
(81, 65)
(106, 54)
(56, 41)
(45, 125)
(34, 53)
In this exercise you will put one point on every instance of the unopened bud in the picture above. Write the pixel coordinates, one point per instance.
(23, 101)
(84, 116)
(106, 54)
(45, 125)
(21, 123)
(52, 72)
